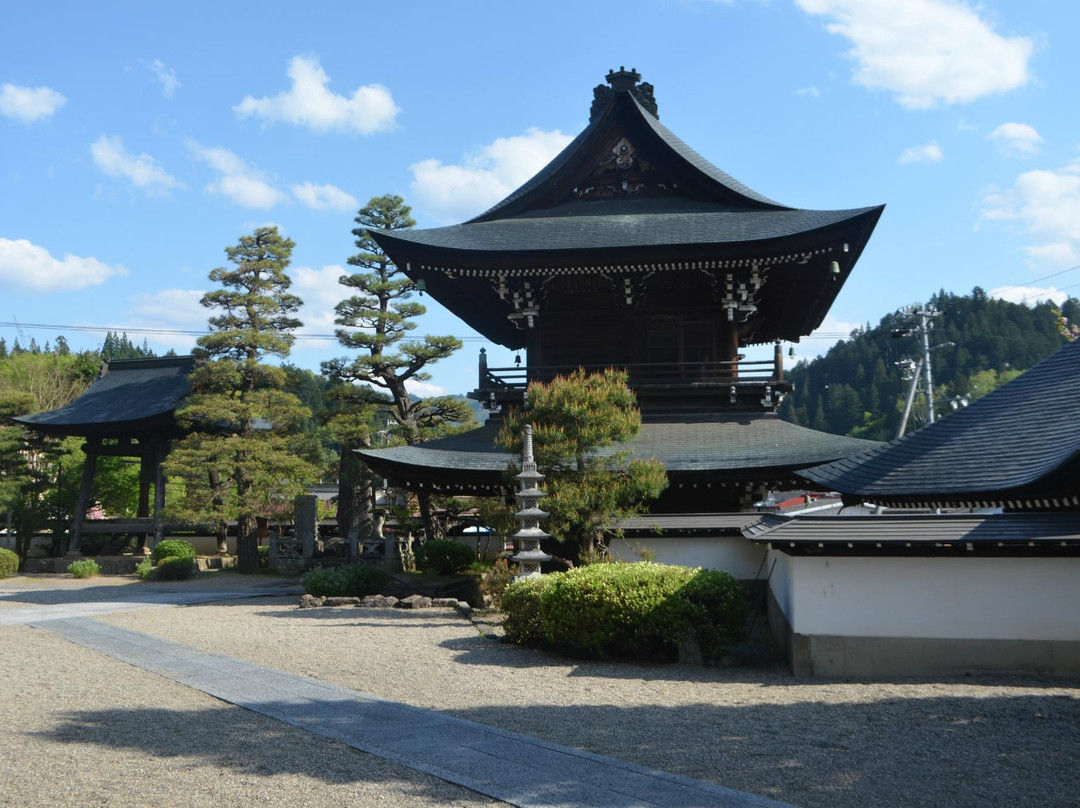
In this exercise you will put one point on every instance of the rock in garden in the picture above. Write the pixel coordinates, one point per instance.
(380, 601)
(310, 601)
(415, 602)
(446, 602)
(341, 601)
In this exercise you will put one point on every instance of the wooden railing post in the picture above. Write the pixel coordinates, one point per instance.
(483, 369)
(778, 362)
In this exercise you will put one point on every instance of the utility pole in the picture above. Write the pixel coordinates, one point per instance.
(925, 324)
(919, 319)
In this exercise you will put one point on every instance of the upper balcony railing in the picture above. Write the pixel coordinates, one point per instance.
(757, 384)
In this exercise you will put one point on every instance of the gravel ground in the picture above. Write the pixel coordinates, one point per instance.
(978, 741)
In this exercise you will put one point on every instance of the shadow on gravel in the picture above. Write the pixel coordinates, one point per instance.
(247, 744)
(949, 751)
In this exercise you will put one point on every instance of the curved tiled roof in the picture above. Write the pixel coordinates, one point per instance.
(625, 103)
(1018, 441)
(729, 443)
(128, 394)
(591, 226)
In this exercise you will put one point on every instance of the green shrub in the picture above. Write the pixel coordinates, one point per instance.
(175, 569)
(355, 580)
(521, 604)
(9, 563)
(172, 548)
(144, 569)
(630, 611)
(87, 568)
(264, 556)
(444, 557)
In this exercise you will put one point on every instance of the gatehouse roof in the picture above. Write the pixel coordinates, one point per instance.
(130, 396)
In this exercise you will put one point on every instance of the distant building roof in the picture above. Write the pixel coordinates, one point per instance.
(1018, 446)
(926, 534)
(130, 396)
(731, 446)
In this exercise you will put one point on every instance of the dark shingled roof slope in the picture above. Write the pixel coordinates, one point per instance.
(130, 395)
(938, 534)
(727, 445)
(1019, 442)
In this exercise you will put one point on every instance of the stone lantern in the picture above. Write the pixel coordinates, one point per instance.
(529, 555)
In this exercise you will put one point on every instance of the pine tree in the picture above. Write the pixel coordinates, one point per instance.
(376, 321)
(245, 452)
(572, 417)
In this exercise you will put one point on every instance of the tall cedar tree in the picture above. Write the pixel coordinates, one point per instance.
(244, 453)
(376, 320)
(587, 491)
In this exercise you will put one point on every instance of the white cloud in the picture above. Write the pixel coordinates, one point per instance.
(320, 291)
(241, 183)
(166, 75)
(812, 92)
(168, 310)
(324, 197)
(927, 153)
(425, 389)
(926, 52)
(1029, 295)
(309, 103)
(143, 171)
(1046, 204)
(27, 267)
(454, 192)
(29, 104)
(1016, 138)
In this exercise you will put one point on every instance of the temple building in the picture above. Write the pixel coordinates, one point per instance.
(630, 250)
(993, 589)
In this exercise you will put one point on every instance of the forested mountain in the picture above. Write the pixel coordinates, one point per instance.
(857, 387)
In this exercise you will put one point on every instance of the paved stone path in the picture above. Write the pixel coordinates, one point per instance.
(513, 768)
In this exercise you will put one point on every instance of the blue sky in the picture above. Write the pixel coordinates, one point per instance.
(139, 140)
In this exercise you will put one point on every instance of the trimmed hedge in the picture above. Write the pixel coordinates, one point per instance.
(444, 557)
(521, 604)
(355, 580)
(9, 563)
(86, 568)
(639, 611)
(172, 548)
(175, 568)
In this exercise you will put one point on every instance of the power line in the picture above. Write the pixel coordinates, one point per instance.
(169, 332)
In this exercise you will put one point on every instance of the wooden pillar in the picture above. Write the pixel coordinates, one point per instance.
(732, 348)
(146, 479)
(161, 449)
(92, 448)
(778, 362)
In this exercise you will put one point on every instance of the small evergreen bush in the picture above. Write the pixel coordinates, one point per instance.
(175, 568)
(629, 611)
(172, 548)
(521, 604)
(355, 580)
(145, 569)
(444, 557)
(86, 568)
(9, 563)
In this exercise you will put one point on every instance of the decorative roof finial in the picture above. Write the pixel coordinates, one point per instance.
(622, 81)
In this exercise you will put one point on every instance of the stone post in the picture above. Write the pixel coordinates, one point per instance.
(307, 523)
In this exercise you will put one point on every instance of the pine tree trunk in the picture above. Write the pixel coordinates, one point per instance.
(247, 544)
(354, 494)
(432, 526)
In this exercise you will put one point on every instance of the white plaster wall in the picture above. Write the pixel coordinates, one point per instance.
(961, 598)
(778, 571)
(733, 554)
